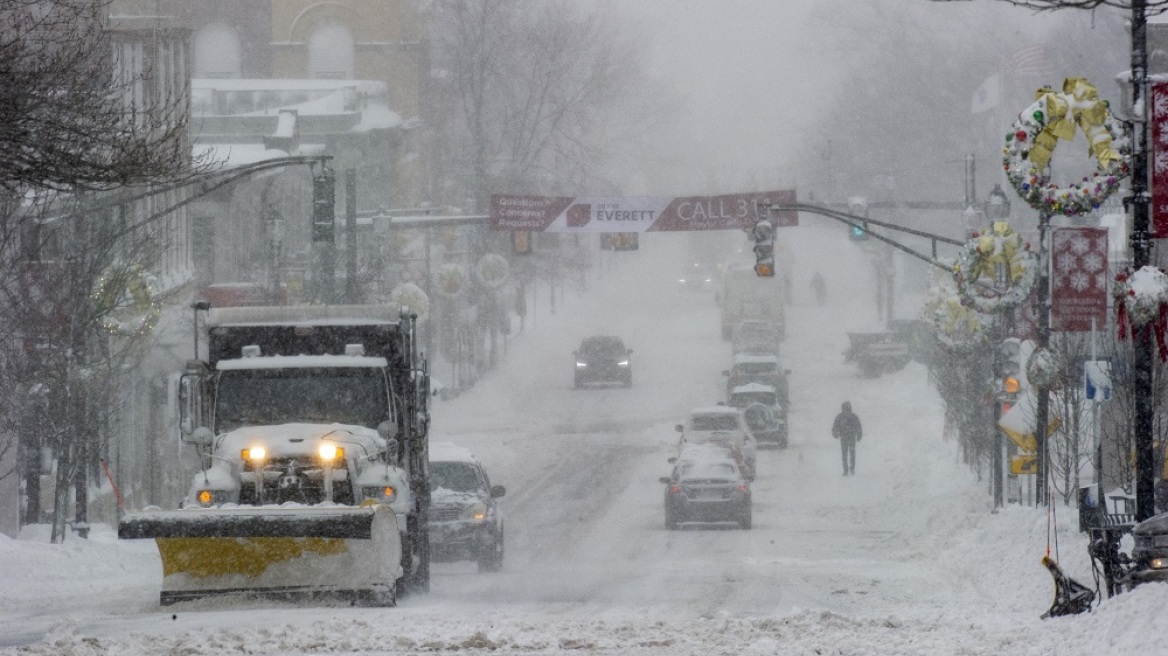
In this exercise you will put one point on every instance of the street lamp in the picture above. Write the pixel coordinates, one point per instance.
(997, 205)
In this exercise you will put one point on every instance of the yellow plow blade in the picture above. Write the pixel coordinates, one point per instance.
(292, 552)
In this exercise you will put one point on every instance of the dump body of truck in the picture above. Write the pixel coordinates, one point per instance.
(311, 424)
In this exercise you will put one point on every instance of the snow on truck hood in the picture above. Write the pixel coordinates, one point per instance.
(302, 362)
(285, 440)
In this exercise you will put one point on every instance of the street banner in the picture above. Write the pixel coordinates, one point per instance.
(600, 214)
(1079, 279)
(1159, 148)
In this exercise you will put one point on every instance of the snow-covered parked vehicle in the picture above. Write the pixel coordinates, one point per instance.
(764, 415)
(720, 426)
(466, 522)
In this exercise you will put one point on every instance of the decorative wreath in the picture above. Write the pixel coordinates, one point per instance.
(492, 270)
(129, 293)
(410, 296)
(993, 258)
(1141, 303)
(1035, 133)
(956, 325)
(452, 279)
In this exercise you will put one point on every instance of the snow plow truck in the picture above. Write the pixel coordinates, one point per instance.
(310, 424)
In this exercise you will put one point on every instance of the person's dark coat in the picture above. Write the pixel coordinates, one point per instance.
(847, 425)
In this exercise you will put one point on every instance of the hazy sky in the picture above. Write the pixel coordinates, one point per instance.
(749, 72)
(753, 75)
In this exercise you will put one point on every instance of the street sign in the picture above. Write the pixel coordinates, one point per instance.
(1097, 380)
(1022, 465)
(600, 214)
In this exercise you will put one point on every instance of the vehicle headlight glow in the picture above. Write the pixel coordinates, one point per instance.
(255, 453)
(205, 498)
(386, 493)
(476, 511)
(331, 452)
(623, 363)
(1158, 563)
(581, 365)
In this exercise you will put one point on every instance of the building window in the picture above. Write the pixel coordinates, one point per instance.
(330, 53)
(217, 52)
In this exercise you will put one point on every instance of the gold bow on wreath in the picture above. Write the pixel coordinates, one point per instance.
(1000, 246)
(1078, 104)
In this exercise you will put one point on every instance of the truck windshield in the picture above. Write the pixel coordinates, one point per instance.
(260, 397)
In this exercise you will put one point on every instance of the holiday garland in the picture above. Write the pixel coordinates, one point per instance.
(956, 325)
(127, 292)
(1141, 303)
(412, 297)
(1036, 132)
(996, 270)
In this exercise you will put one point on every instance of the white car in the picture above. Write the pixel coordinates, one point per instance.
(721, 426)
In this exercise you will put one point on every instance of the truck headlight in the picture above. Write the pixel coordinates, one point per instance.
(581, 365)
(208, 498)
(331, 452)
(254, 454)
(623, 363)
(475, 512)
(1158, 563)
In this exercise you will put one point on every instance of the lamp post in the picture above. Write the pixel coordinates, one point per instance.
(997, 208)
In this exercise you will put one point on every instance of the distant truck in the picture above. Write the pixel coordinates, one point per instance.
(745, 296)
(311, 427)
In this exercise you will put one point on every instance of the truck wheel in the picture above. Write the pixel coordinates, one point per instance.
(492, 561)
(379, 598)
(745, 520)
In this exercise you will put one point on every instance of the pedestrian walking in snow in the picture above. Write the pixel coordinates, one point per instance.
(846, 428)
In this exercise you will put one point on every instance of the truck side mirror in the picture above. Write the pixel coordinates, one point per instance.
(498, 491)
(679, 428)
(387, 429)
(189, 401)
(201, 436)
(725, 372)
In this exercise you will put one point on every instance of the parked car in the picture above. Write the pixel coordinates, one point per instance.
(756, 337)
(763, 369)
(603, 359)
(724, 427)
(466, 522)
(706, 486)
(764, 415)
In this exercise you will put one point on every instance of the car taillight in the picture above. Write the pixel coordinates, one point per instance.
(675, 489)
(743, 489)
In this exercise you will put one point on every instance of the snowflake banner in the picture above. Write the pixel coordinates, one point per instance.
(1080, 281)
(1159, 159)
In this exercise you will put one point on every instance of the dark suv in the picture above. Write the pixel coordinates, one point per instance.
(603, 359)
(466, 522)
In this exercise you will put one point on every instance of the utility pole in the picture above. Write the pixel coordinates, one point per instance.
(1042, 407)
(1141, 256)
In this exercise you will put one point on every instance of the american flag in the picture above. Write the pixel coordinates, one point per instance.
(1032, 61)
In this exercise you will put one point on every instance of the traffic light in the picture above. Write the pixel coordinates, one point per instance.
(858, 229)
(323, 199)
(764, 248)
(1009, 362)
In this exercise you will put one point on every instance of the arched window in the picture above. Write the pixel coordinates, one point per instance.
(217, 52)
(330, 53)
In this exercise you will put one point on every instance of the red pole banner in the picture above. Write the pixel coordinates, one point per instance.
(1159, 147)
(1079, 279)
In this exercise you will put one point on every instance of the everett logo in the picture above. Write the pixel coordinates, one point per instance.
(579, 215)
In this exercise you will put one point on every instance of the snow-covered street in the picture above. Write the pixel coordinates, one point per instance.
(905, 557)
